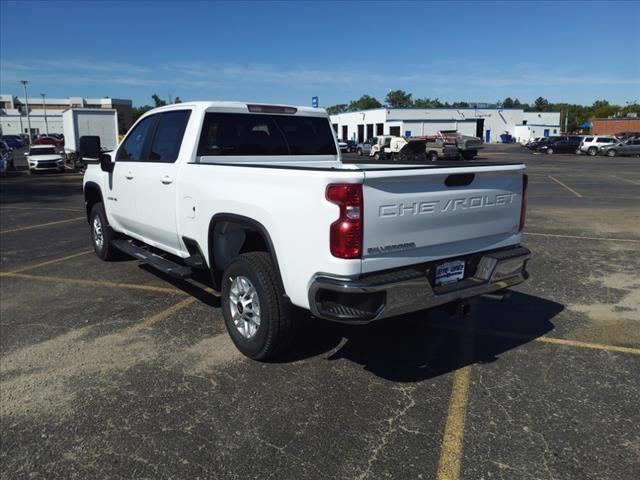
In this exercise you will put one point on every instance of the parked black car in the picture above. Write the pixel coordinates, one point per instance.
(563, 145)
(543, 141)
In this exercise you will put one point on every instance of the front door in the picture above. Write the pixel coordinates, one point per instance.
(487, 137)
(546, 132)
(121, 184)
(156, 182)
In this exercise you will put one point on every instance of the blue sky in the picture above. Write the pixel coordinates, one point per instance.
(288, 52)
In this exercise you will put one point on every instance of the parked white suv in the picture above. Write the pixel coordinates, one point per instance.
(591, 144)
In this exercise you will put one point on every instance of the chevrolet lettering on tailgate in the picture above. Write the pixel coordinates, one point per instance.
(451, 205)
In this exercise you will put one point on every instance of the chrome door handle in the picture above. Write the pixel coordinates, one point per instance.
(166, 180)
(129, 176)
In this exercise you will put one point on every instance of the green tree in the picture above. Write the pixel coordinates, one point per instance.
(398, 98)
(428, 103)
(340, 108)
(508, 103)
(158, 102)
(139, 111)
(365, 102)
(541, 104)
(177, 100)
(603, 109)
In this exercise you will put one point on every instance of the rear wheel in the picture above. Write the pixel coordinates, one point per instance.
(102, 234)
(377, 156)
(432, 156)
(359, 151)
(593, 151)
(256, 314)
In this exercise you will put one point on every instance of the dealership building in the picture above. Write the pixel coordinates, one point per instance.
(486, 123)
(45, 115)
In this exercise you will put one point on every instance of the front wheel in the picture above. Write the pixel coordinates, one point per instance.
(377, 157)
(549, 151)
(432, 156)
(592, 151)
(611, 153)
(102, 234)
(256, 315)
(359, 151)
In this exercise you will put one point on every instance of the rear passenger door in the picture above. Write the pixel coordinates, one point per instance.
(156, 192)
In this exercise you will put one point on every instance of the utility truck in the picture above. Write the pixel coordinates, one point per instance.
(95, 123)
(257, 197)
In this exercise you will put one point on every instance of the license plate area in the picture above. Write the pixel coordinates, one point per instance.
(449, 272)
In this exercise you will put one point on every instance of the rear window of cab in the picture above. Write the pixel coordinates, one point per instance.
(242, 134)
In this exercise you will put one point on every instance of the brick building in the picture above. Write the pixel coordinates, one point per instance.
(611, 126)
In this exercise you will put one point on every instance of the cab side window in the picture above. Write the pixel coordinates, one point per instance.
(168, 136)
(132, 150)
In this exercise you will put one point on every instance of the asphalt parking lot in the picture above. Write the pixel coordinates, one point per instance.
(110, 370)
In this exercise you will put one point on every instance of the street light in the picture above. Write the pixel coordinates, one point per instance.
(44, 107)
(26, 102)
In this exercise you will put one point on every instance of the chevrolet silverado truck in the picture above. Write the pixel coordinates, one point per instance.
(257, 197)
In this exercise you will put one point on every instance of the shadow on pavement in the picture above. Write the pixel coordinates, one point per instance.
(424, 345)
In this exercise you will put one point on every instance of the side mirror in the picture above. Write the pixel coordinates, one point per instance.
(89, 149)
(106, 165)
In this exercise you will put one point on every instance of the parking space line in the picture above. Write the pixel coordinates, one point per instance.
(50, 262)
(31, 227)
(158, 316)
(450, 461)
(94, 283)
(542, 339)
(580, 237)
(62, 209)
(451, 451)
(565, 186)
(626, 180)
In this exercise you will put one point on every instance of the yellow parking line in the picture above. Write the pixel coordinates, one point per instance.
(565, 186)
(158, 316)
(553, 340)
(580, 237)
(451, 451)
(42, 225)
(450, 461)
(626, 180)
(93, 283)
(49, 262)
(62, 209)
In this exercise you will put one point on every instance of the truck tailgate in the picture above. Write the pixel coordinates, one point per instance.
(420, 215)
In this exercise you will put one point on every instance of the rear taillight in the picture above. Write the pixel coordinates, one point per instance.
(345, 234)
(523, 207)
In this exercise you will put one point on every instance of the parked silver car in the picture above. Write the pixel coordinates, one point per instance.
(628, 147)
(364, 148)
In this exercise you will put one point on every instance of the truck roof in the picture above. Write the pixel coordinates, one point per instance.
(239, 107)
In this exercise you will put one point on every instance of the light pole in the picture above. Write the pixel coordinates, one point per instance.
(26, 102)
(44, 107)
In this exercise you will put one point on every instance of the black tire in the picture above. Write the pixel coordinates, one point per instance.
(593, 151)
(468, 155)
(359, 152)
(104, 250)
(377, 157)
(432, 156)
(611, 153)
(549, 151)
(276, 327)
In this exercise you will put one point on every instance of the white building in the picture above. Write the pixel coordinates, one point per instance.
(486, 123)
(47, 117)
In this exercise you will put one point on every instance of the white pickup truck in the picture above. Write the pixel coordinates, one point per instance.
(258, 196)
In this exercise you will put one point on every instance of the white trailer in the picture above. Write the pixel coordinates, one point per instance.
(80, 122)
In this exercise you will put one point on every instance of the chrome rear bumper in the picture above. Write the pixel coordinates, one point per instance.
(397, 292)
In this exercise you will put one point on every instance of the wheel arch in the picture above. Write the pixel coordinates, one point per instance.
(92, 195)
(255, 237)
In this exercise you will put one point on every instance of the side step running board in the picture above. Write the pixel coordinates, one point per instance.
(172, 269)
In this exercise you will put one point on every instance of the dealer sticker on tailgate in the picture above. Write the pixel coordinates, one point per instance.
(449, 272)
